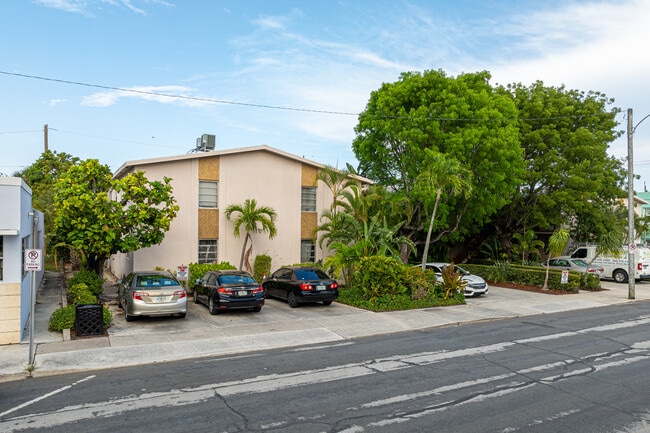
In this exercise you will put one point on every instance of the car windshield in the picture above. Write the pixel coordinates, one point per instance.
(461, 270)
(311, 274)
(155, 281)
(236, 279)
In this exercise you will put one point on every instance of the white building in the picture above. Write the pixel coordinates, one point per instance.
(205, 183)
(21, 228)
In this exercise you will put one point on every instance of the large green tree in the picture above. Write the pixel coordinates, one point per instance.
(88, 221)
(252, 218)
(463, 117)
(41, 177)
(569, 177)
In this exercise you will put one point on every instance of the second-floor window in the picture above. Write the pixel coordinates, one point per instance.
(308, 199)
(208, 193)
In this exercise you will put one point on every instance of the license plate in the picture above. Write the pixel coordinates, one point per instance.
(161, 299)
(242, 293)
(320, 287)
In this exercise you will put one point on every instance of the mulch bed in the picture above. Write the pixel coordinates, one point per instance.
(536, 289)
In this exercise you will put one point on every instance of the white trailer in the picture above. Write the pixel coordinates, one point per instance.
(616, 265)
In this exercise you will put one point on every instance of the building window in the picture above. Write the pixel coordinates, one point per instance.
(307, 251)
(308, 199)
(208, 250)
(208, 193)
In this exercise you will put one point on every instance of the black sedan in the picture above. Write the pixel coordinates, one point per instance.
(227, 290)
(299, 284)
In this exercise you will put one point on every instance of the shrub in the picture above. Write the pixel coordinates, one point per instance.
(378, 276)
(93, 281)
(107, 317)
(79, 294)
(452, 281)
(422, 284)
(197, 270)
(261, 267)
(62, 318)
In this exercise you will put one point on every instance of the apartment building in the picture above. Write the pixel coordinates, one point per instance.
(206, 182)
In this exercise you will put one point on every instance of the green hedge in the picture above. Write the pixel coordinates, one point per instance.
(198, 270)
(533, 276)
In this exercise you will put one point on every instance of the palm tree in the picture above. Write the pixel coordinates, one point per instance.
(556, 244)
(528, 244)
(443, 175)
(252, 218)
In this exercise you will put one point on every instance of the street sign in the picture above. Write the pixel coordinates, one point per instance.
(181, 272)
(33, 260)
(565, 276)
(631, 249)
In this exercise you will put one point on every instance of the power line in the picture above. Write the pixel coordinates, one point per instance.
(191, 98)
(277, 107)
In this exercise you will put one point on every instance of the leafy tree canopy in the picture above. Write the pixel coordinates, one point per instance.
(569, 176)
(41, 177)
(90, 222)
(464, 118)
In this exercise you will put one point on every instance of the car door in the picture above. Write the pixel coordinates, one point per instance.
(124, 288)
(203, 288)
(280, 283)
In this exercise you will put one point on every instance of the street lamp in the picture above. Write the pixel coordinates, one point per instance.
(630, 204)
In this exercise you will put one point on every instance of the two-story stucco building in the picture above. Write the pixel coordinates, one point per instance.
(205, 183)
(21, 228)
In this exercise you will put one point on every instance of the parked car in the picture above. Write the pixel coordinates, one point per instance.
(229, 290)
(476, 286)
(571, 264)
(151, 293)
(299, 284)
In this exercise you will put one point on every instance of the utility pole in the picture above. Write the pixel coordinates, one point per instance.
(631, 242)
(45, 137)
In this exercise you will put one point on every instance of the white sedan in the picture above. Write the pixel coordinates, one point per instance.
(476, 286)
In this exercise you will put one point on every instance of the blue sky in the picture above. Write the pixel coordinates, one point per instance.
(289, 74)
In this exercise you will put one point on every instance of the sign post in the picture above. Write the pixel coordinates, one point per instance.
(33, 262)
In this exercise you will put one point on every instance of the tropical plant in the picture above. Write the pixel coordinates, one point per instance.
(556, 245)
(527, 245)
(452, 281)
(441, 175)
(252, 218)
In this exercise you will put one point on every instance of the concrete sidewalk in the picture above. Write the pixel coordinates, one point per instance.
(150, 340)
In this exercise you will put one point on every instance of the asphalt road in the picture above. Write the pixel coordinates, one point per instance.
(579, 371)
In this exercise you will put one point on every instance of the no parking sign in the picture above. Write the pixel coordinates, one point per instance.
(33, 260)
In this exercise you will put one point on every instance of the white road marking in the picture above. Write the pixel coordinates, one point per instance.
(43, 397)
(272, 382)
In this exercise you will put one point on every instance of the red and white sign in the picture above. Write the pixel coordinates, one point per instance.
(33, 260)
(181, 272)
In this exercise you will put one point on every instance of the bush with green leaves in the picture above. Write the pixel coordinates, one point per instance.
(198, 270)
(62, 318)
(421, 283)
(378, 276)
(261, 267)
(79, 294)
(93, 281)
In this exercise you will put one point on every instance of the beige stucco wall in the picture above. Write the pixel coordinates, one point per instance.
(9, 313)
(272, 181)
(181, 243)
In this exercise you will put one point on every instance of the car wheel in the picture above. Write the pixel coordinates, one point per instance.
(327, 302)
(182, 315)
(291, 299)
(212, 308)
(195, 294)
(257, 309)
(620, 276)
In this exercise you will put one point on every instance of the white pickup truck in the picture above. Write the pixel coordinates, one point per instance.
(616, 265)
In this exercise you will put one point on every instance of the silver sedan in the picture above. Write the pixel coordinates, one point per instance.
(151, 293)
